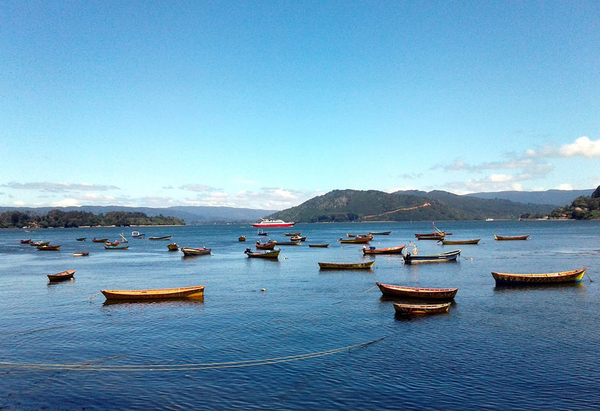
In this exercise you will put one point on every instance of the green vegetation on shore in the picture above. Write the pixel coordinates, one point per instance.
(582, 208)
(57, 218)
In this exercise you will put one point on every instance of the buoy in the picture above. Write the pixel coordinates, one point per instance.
(263, 289)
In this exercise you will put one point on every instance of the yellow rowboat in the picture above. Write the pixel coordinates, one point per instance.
(509, 238)
(421, 309)
(417, 292)
(173, 247)
(460, 242)
(64, 275)
(156, 294)
(573, 276)
(347, 266)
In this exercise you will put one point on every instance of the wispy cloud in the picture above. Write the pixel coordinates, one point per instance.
(200, 188)
(581, 147)
(59, 187)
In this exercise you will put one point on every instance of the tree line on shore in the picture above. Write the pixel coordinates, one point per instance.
(582, 208)
(57, 218)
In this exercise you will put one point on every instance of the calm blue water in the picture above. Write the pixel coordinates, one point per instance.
(497, 348)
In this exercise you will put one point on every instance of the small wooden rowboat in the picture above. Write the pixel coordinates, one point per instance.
(355, 240)
(187, 251)
(81, 254)
(157, 294)
(48, 248)
(116, 247)
(324, 245)
(242, 238)
(509, 238)
(26, 241)
(432, 236)
(421, 309)
(173, 247)
(113, 244)
(298, 238)
(381, 233)
(460, 242)
(389, 250)
(64, 275)
(99, 240)
(264, 254)
(164, 237)
(39, 243)
(573, 276)
(288, 243)
(435, 258)
(417, 292)
(292, 234)
(359, 235)
(81, 239)
(269, 245)
(346, 266)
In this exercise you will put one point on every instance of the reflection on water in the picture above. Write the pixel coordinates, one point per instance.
(469, 358)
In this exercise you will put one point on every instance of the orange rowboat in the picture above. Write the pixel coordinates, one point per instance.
(156, 294)
(390, 250)
(417, 292)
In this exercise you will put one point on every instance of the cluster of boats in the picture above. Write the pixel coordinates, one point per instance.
(431, 300)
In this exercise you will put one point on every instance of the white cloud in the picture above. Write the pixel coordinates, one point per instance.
(200, 188)
(19, 203)
(564, 187)
(67, 202)
(581, 147)
(59, 187)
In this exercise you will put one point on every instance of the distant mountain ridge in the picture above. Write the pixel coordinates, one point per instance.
(414, 205)
(554, 197)
(189, 214)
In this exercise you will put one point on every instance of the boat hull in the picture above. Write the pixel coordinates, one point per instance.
(355, 240)
(421, 309)
(269, 254)
(265, 246)
(436, 258)
(62, 276)
(319, 245)
(346, 266)
(108, 247)
(417, 292)
(156, 294)
(165, 237)
(573, 276)
(461, 242)
(48, 248)
(195, 251)
(390, 250)
(513, 238)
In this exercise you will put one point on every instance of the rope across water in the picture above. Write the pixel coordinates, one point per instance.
(90, 366)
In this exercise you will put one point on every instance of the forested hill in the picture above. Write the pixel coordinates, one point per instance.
(57, 218)
(373, 205)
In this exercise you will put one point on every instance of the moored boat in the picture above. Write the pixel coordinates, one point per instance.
(359, 235)
(435, 258)
(26, 241)
(137, 234)
(188, 251)
(242, 238)
(269, 245)
(431, 236)
(81, 254)
(64, 275)
(460, 242)
(261, 232)
(421, 309)
(156, 294)
(381, 233)
(298, 238)
(116, 247)
(173, 247)
(164, 237)
(389, 250)
(510, 238)
(323, 245)
(48, 248)
(112, 244)
(288, 242)
(99, 240)
(272, 223)
(264, 254)
(81, 238)
(346, 266)
(417, 292)
(292, 234)
(572, 276)
(39, 243)
(355, 240)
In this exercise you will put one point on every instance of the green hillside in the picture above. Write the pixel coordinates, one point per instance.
(373, 205)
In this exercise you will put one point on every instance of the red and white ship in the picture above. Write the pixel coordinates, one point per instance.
(272, 223)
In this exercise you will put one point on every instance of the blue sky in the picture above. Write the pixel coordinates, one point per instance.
(266, 104)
